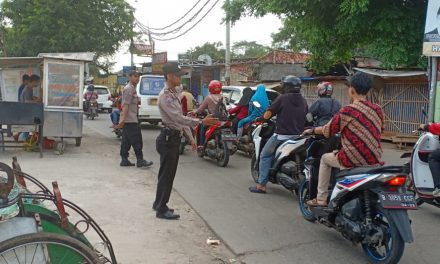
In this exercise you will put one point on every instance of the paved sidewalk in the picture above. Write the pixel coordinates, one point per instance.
(120, 200)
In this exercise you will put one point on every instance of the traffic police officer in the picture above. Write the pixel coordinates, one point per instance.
(131, 131)
(168, 141)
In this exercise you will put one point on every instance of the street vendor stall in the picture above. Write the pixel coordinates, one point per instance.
(61, 89)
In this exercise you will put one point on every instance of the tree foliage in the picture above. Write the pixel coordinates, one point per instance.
(35, 26)
(249, 49)
(215, 50)
(334, 30)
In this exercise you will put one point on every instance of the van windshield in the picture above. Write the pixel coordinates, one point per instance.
(151, 85)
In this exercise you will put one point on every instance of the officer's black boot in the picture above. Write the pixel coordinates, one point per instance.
(143, 163)
(126, 163)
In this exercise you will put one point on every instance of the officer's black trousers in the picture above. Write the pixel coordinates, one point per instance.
(132, 137)
(168, 149)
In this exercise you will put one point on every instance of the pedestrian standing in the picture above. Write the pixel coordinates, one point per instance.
(168, 141)
(129, 123)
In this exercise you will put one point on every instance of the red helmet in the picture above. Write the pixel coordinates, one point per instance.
(215, 87)
(325, 89)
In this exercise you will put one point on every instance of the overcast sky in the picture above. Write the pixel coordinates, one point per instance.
(161, 13)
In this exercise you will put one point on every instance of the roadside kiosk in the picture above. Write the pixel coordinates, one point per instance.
(61, 91)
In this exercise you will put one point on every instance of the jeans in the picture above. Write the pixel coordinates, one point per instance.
(114, 116)
(266, 158)
(434, 165)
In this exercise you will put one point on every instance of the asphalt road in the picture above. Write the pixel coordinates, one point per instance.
(270, 228)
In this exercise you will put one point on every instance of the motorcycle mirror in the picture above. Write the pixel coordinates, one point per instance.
(256, 104)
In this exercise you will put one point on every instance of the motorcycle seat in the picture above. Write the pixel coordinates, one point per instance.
(371, 170)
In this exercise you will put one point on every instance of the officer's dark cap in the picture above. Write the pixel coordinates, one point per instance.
(173, 67)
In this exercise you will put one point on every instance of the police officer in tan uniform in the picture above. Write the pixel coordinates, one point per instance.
(131, 131)
(175, 125)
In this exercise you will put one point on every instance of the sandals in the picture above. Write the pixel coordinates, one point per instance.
(315, 203)
(254, 189)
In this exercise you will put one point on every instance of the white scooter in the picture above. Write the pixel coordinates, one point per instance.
(288, 165)
(422, 183)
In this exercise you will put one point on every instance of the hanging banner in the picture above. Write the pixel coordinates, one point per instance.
(160, 58)
(143, 49)
(431, 42)
(64, 84)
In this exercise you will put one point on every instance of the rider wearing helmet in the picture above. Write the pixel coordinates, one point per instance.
(211, 103)
(291, 110)
(325, 107)
(90, 96)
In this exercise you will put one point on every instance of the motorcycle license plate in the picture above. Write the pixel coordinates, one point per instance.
(100, 105)
(398, 201)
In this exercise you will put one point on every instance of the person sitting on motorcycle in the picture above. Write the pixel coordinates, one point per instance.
(90, 96)
(116, 113)
(361, 125)
(260, 96)
(434, 158)
(211, 103)
(241, 109)
(325, 107)
(291, 110)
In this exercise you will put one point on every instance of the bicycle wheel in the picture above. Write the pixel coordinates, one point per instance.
(42, 248)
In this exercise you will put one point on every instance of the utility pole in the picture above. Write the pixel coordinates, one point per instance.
(228, 50)
(131, 40)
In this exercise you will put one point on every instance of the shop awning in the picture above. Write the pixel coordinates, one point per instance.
(386, 73)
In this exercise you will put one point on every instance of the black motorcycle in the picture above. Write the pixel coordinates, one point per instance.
(367, 205)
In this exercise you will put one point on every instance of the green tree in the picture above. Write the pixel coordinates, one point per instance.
(333, 30)
(36, 26)
(215, 50)
(249, 49)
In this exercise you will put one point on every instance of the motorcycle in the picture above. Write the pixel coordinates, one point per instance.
(367, 205)
(218, 143)
(91, 110)
(245, 143)
(118, 132)
(421, 182)
(287, 168)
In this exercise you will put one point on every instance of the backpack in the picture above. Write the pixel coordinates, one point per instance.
(220, 110)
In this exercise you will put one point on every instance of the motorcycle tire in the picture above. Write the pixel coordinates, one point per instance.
(303, 197)
(254, 168)
(92, 117)
(397, 247)
(224, 160)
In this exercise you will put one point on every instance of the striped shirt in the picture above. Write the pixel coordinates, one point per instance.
(361, 126)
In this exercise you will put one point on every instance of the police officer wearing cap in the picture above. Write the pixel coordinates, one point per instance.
(175, 125)
(129, 123)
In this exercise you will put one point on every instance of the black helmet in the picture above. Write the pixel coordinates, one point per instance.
(291, 84)
(91, 88)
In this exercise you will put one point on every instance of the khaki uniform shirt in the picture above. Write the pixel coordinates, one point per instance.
(130, 98)
(171, 112)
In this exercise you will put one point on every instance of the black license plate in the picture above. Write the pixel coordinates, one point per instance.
(398, 201)
(229, 136)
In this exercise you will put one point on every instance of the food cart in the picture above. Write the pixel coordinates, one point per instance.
(61, 89)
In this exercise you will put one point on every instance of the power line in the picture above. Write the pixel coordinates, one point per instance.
(176, 30)
(177, 21)
(193, 26)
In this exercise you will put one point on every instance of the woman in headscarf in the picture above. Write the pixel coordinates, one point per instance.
(241, 110)
(260, 96)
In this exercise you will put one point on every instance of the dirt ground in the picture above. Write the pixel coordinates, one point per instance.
(120, 200)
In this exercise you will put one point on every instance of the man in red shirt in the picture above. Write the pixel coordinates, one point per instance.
(434, 158)
(361, 126)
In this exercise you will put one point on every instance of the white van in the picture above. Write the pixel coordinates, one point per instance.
(148, 89)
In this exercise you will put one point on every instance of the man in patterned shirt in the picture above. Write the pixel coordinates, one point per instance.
(361, 126)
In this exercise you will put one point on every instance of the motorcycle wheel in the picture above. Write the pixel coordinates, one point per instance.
(224, 159)
(93, 117)
(254, 168)
(394, 247)
(303, 198)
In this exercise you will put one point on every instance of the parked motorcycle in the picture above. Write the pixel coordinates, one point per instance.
(366, 205)
(421, 182)
(218, 143)
(92, 110)
(287, 168)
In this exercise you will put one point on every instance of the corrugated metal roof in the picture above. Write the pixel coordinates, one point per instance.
(386, 73)
(19, 61)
